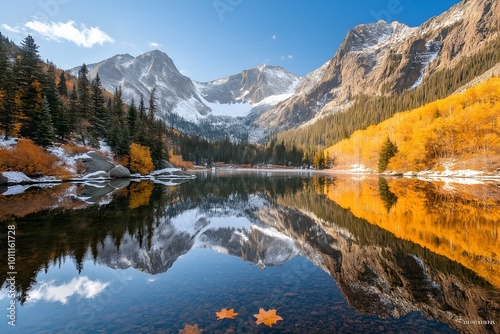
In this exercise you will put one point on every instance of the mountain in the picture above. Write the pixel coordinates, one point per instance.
(196, 107)
(384, 59)
(250, 86)
(139, 75)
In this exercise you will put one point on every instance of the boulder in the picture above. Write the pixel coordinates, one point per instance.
(3, 179)
(119, 172)
(167, 164)
(95, 162)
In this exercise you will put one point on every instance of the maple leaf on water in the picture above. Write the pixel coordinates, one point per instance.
(225, 313)
(190, 329)
(268, 318)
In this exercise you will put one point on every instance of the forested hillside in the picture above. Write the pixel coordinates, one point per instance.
(43, 104)
(366, 111)
(461, 131)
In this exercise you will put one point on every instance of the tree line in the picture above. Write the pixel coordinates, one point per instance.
(208, 152)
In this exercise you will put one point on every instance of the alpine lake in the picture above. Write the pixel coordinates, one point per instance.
(330, 253)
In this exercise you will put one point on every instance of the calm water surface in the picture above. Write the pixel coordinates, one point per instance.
(332, 254)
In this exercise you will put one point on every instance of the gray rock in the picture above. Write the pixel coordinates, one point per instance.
(96, 163)
(119, 172)
(167, 164)
(3, 179)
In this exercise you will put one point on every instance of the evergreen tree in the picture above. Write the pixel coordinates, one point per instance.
(152, 105)
(8, 103)
(133, 119)
(85, 116)
(119, 137)
(73, 116)
(29, 81)
(100, 115)
(52, 97)
(45, 129)
(156, 146)
(389, 149)
(62, 88)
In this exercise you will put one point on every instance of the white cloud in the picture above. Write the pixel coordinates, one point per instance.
(7, 27)
(290, 57)
(128, 44)
(155, 45)
(275, 37)
(86, 37)
(81, 286)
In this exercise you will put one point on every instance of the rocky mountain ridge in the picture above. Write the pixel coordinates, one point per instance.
(382, 59)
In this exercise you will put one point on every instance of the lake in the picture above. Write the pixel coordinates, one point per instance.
(330, 253)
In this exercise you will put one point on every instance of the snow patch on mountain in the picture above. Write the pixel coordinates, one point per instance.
(433, 49)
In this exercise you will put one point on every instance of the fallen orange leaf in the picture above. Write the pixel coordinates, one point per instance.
(268, 318)
(188, 329)
(225, 313)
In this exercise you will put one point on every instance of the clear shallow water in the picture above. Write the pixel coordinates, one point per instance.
(150, 259)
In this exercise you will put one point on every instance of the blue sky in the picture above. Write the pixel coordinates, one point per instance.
(207, 39)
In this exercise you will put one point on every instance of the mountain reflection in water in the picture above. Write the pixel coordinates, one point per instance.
(393, 246)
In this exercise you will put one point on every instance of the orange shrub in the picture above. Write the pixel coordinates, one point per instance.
(30, 159)
(140, 159)
(177, 161)
(74, 149)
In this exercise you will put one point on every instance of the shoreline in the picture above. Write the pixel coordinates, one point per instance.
(473, 175)
(424, 175)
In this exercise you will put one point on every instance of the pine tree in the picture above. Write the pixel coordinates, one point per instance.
(119, 138)
(389, 149)
(29, 81)
(73, 116)
(62, 87)
(133, 119)
(52, 97)
(100, 117)
(8, 103)
(85, 118)
(45, 129)
(152, 105)
(156, 146)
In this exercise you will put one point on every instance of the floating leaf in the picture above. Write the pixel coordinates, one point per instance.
(225, 313)
(268, 318)
(190, 329)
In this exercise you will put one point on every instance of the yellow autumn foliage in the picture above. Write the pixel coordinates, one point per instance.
(461, 126)
(461, 226)
(140, 159)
